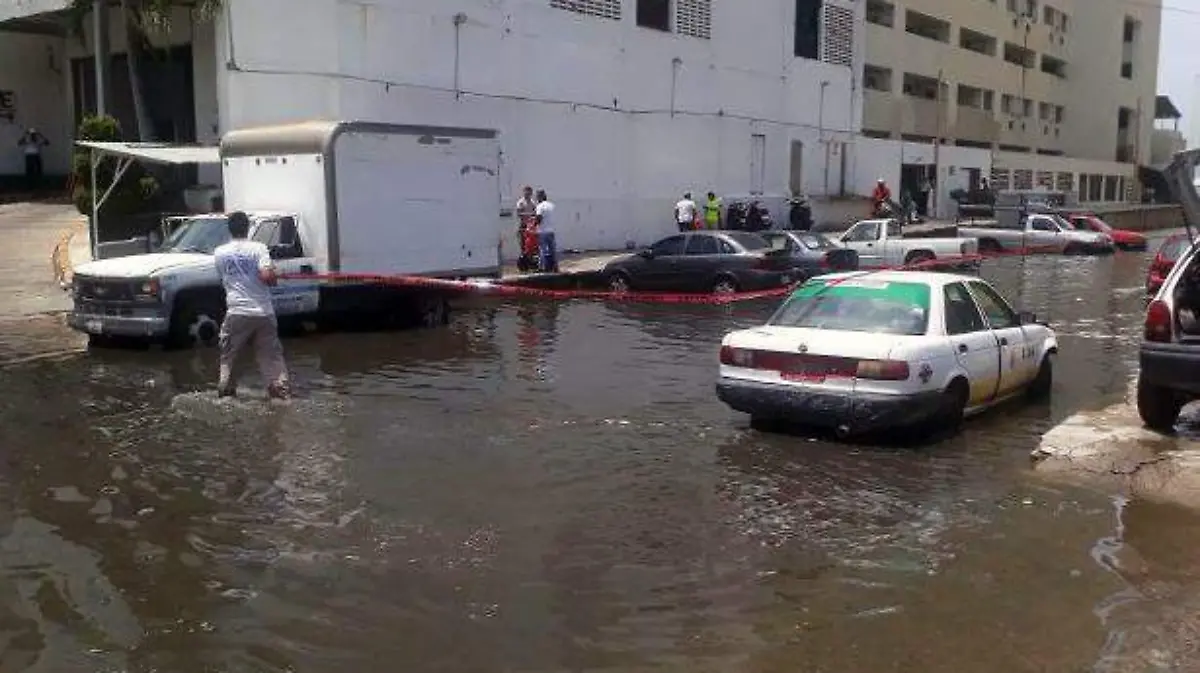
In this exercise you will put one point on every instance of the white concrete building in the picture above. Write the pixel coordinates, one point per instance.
(615, 107)
(1035, 93)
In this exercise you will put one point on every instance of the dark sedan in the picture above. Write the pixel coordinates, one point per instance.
(812, 254)
(703, 261)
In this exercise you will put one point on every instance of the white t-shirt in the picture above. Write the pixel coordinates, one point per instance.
(686, 211)
(545, 209)
(238, 264)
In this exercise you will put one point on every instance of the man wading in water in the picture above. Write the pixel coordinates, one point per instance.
(247, 274)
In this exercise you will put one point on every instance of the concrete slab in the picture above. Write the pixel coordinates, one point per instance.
(1111, 449)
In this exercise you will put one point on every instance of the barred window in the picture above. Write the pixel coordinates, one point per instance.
(837, 43)
(694, 18)
(605, 9)
(1000, 179)
(1023, 179)
(1066, 182)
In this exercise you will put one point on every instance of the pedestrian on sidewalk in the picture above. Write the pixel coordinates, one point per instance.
(247, 275)
(712, 212)
(31, 143)
(547, 245)
(685, 213)
(526, 211)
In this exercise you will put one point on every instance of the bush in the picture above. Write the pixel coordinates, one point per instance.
(136, 193)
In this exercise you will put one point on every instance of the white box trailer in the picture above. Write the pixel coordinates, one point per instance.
(329, 199)
(375, 198)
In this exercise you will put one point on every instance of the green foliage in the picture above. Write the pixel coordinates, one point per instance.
(152, 16)
(136, 192)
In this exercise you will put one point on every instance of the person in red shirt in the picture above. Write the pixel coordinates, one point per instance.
(881, 196)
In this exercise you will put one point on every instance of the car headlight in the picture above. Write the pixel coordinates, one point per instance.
(147, 290)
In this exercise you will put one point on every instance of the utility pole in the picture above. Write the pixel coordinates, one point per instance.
(821, 135)
(937, 149)
(100, 40)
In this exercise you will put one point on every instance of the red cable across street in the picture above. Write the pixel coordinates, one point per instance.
(494, 289)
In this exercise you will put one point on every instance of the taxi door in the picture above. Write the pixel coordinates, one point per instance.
(974, 344)
(1018, 363)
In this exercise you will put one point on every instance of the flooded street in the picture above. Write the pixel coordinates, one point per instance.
(554, 487)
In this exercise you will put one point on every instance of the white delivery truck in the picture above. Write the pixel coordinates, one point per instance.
(330, 200)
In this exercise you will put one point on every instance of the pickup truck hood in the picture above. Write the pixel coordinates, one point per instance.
(142, 266)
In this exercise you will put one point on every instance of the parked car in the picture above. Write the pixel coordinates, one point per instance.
(1124, 240)
(862, 352)
(1038, 232)
(882, 244)
(1170, 252)
(1170, 351)
(702, 261)
(812, 254)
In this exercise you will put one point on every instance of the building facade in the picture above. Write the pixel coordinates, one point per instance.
(1034, 93)
(615, 107)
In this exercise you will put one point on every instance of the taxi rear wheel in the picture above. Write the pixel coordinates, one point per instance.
(954, 404)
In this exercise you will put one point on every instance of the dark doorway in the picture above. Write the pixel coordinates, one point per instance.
(654, 14)
(914, 186)
(168, 88)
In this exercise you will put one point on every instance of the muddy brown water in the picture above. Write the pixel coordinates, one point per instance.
(544, 487)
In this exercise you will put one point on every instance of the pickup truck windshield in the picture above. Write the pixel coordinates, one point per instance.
(857, 305)
(198, 234)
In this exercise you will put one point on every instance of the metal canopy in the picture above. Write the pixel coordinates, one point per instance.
(158, 153)
(127, 153)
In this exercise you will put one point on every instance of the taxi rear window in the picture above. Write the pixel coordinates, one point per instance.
(857, 305)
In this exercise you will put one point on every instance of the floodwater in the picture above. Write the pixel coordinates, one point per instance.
(544, 487)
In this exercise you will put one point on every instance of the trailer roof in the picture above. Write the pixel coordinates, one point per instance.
(158, 153)
(317, 137)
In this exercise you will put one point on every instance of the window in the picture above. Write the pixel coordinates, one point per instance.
(881, 13)
(281, 238)
(863, 233)
(962, 315)
(999, 314)
(876, 78)
(1018, 55)
(858, 306)
(605, 9)
(654, 14)
(926, 26)
(837, 42)
(893, 229)
(749, 242)
(702, 244)
(1042, 224)
(808, 29)
(669, 247)
(977, 42)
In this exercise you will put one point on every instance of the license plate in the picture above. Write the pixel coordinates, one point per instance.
(93, 327)
(803, 377)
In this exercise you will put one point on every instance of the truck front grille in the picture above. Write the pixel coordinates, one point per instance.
(91, 289)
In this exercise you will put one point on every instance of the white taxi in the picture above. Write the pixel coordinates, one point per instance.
(868, 351)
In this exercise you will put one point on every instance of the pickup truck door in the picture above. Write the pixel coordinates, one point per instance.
(865, 238)
(1018, 357)
(1044, 234)
(974, 344)
(292, 296)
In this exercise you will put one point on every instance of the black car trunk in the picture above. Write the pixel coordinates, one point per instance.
(776, 260)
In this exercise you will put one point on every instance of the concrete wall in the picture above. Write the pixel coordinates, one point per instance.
(583, 104)
(32, 67)
(1142, 217)
(883, 158)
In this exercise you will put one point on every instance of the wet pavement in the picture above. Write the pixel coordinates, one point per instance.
(554, 487)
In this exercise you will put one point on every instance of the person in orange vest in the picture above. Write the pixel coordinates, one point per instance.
(881, 196)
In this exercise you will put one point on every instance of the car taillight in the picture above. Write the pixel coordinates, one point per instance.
(1158, 322)
(737, 357)
(883, 370)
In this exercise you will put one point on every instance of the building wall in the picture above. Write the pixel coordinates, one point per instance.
(583, 103)
(1089, 42)
(882, 159)
(32, 72)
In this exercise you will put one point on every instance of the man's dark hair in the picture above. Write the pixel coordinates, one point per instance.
(239, 224)
(541, 195)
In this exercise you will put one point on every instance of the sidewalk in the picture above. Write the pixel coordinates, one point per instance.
(583, 264)
(30, 230)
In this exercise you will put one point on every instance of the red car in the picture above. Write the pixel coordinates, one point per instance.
(1125, 240)
(1170, 252)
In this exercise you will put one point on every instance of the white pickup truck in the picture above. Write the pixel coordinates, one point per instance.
(881, 244)
(1038, 232)
(326, 198)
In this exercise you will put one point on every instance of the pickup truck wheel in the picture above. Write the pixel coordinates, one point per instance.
(195, 322)
(1040, 387)
(990, 246)
(1159, 407)
(918, 258)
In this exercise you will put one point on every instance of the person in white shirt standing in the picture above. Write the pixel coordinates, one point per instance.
(247, 275)
(31, 143)
(685, 213)
(547, 245)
